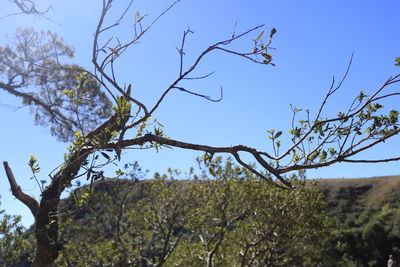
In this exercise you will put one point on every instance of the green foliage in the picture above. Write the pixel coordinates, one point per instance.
(33, 164)
(397, 61)
(367, 233)
(223, 211)
(368, 241)
(315, 142)
(224, 217)
(123, 105)
(262, 48)
(138, 17)
(16, 245)
(245, 222)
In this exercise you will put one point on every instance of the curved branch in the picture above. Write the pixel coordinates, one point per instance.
(269, 180)
(343, 157)
(202, 96)
(374, 97)
(16, 190)
(370, 160)
(205, 148)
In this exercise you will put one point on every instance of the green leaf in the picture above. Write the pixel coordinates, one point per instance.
(266, 56)
(156, 146)
(273, 31)
(332, 151)
(32, 160)
(323, 155)
(119, 172)
(141, 18)
(88, 174)
(33, 164)
(259, 36)
(278, 134)
(278, 143)
(397, 61)
(319, 129)
(106, 156)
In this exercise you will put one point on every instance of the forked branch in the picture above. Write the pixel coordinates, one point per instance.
(16, 190)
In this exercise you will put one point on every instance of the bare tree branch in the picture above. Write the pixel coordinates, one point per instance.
(29, 201)
(55, 113)
(185, 74)
(26, 7)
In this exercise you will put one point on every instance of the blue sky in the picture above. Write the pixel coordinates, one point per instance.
(314, 42)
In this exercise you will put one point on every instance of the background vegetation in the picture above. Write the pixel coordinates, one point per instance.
(220, 216)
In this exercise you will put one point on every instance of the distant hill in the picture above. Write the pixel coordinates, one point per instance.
(343, 196)
(346, 196)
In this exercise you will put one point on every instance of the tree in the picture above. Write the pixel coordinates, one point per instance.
(144, 222)
(225, 218)
(15, 243)
(64, 97)
(52, 103)
(242, 221)
(370, 237)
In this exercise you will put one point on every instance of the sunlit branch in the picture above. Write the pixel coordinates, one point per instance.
(181, 51)
(370, 160)
(200, 77)
(205, 148)
(16, 190)
(331, 91)
(196, 62)
(390, 81)
(101, 70)
(200, 95)
(254, 171)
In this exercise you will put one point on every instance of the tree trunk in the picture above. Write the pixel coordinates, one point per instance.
(46, 229)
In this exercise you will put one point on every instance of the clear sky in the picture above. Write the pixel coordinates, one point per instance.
(314, 42)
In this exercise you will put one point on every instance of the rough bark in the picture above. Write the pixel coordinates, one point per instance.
(29, 201)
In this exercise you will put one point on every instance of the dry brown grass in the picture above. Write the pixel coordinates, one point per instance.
(380, 187)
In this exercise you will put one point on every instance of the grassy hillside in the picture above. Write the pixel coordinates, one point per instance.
(346, 196)
(372, 191)
(343, 196)
(368, 216)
